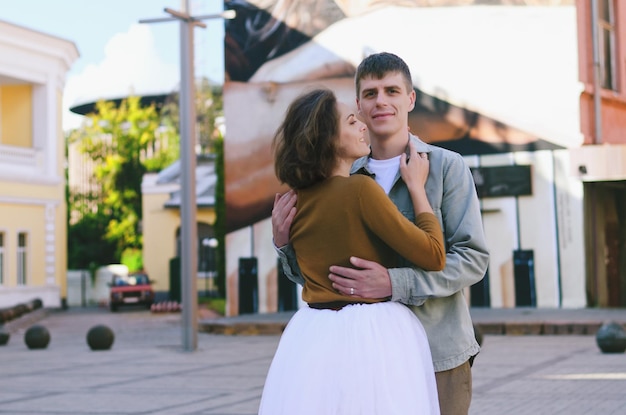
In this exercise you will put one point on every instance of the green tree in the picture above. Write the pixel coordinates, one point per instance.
(86, 246)
(123, 142)
(220, 213)
(209, 107)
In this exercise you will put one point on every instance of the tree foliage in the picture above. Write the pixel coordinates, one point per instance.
(209, 107)
(123, 143)
(86, 246)
(220, 212)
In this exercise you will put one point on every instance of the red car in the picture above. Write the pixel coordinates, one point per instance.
(132, 289)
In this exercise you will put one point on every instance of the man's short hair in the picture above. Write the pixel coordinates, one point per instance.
(378, 65)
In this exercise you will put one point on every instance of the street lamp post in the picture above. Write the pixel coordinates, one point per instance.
(188, 166)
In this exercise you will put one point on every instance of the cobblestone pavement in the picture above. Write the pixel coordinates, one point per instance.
(147, 372)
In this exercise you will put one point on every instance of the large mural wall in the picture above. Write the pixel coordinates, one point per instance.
(486, 86)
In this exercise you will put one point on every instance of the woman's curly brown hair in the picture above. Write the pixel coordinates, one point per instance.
(305, 143)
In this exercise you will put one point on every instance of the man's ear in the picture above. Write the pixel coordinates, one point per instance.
(412, 98)
(358, 107)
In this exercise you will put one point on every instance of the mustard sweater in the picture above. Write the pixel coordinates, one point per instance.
(352, 216)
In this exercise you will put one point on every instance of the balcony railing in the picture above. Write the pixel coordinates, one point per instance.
(23, 164)
(20, 156)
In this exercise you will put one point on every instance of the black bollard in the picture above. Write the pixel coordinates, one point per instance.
(611, 338)
(4, 336)
(37, 337)
(100, 337)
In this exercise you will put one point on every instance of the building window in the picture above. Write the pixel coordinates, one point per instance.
(22, 257)
(1, 258)
(606, 27)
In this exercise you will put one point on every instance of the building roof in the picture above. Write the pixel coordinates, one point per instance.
(169, 179)
(90, 107)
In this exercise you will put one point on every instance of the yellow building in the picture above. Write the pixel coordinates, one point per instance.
(161, 199)
(33, 212)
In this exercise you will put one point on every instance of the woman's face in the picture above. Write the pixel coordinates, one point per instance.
(352, 139)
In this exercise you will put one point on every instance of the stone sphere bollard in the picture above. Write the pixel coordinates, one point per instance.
(37, 337)
(37, 303)
(4, 336)
(611, 338)
(100, 337)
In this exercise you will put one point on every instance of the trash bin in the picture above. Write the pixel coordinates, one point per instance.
(248, 286)
(524, 274)
(175, 283)
(287, 291)
(479, 293)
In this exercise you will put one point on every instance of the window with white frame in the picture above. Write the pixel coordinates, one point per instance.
(1, 258)
(22, 257)
(606, 28)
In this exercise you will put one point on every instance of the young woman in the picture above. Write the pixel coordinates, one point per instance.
(343, 355)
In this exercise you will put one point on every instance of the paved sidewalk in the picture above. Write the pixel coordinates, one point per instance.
(147, 372)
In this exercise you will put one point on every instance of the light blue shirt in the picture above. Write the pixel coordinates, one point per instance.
(436, 298)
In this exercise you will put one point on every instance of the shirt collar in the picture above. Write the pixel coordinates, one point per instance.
(360, 165)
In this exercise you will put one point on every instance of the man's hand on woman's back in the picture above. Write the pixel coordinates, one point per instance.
(282, 216)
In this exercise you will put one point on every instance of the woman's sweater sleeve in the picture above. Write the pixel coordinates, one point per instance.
(420, 242)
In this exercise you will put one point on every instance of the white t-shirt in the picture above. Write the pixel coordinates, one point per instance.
(385, 171)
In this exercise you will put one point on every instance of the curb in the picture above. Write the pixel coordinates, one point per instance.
(26, 320)
(500, 328)
(242, 329)
(540, 328)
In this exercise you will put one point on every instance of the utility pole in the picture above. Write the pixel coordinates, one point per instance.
(188, 205)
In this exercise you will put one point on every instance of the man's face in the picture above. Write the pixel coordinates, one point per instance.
(384, 105)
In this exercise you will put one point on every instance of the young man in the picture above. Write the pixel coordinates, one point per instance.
(385, 96)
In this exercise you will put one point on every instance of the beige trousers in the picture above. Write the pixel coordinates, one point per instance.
(455, 390)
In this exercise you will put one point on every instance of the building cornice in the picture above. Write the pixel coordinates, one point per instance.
(35, 57)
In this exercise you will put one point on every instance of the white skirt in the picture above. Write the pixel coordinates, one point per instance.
(365, 359)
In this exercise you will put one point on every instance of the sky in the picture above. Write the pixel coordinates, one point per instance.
(118, 55)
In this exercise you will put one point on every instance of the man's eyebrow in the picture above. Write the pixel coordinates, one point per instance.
(390, 86)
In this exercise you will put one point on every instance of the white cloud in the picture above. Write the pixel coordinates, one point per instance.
(131, 65)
